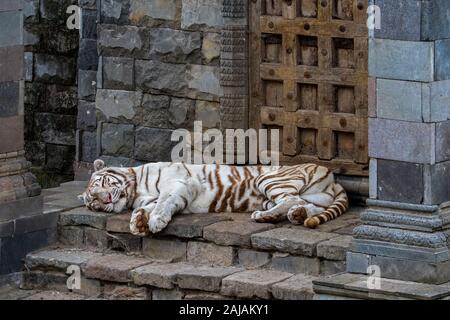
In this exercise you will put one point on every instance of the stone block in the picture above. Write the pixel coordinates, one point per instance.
(442, 64)
(11, 102)
(115, 292)
(89, 24)
(96, 239)
(118, 73)
(88, 151)
(6, 229)
(11, 5)
(330, 267)
(174, 294)
(59, 259)
(113, 267)
(117, 104)
(90, 288)
(87, 55)
(163, 77)
(299, 242)
(435, 20)
(192, 225)
(358, 262)
(204, 81)
(60, 99)
(29, 65)
(399, 100)
(164, 250)
(299, 287)
(86, 118)
(252, 283)
(208, 113)
(395, 180)
(55, 296)
(234, 233)
(154, 9)
(211, 47)
(175, 46)
(71, 236)
(204, 278)
(125, 243)
(53, 69)
(334, 249)
(251, 259)
(401, 60)
(442, 141)
(55, 128)
(162, 276)
(292, 264)
(87, 84)
(153, 145)
(210, 254)
(436, 96)
(437, 183)
(201, 296)
(123, 41)
(413, 143)
(12, 65)
(117, 139)
(201, 13)
(11, 24)
(37, 280)
(401, 20)
(35, 223)
(119, 223)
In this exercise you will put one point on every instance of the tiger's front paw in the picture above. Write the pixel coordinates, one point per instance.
(139, 222)
(157, 223)
(257, 216)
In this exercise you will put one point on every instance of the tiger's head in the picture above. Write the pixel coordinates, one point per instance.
(109, 189)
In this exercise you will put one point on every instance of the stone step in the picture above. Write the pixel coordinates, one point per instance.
(356, 286)
(112, 275)
(218, 239)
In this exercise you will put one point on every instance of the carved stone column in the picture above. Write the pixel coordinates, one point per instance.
(20, 200)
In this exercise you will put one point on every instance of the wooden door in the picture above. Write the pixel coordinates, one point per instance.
(308, 78)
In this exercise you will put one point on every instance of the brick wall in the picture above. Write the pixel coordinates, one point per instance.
(51, 93)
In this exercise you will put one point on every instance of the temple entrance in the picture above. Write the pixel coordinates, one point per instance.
(308, 78)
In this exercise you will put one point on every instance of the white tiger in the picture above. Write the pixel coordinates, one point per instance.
(305, 194)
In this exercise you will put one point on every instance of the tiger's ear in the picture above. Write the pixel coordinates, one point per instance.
(99, 165)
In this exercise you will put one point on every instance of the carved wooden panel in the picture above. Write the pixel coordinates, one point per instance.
(308, 78)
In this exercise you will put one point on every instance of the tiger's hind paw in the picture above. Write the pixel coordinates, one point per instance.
(139, 222)
(297, 215)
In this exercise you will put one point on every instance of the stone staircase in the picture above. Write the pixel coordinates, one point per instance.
(218, 256)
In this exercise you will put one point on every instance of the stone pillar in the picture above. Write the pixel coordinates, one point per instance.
(405, 229)
(21, 216)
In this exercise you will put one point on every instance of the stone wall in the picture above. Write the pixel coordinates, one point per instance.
(158, 70)
(51, 93)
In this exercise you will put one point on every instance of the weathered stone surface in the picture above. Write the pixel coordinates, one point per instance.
(59, 259)
(437, 93)
(208, 113)
(330, 267)
(124, 242)
(153, 145)
(86, 118)
(119, 223)
(413, 143)
(442, 64)
(442, 141)
(53, 69)
(96, 239)
(293, 264)
(204, 278)
(401, 20)
(117, 139)
(205, 13)
(437, 183)
(357, 262)
(12, 68)
(401, 60)
(251, 259)
(234, 233)
(114, 292)
(174, 294)
(71, 236)
(204, 296)
(60, 99)
(90, 288)
(300, 242)
(29, 65)
(87, 84)
(252, 283)
(55, 295)
(11, 26)
(111, 10)
(164, 77)
(88, 149)
(83, 217)
(298, 287)
(118, 104)
(156, 9)
(87, 55)
(210, 254)
(159, 275)
(400, 100)
(435, 20)
(192, 225)
(48, 280)
(10, 102)
(89, 24)
(118, 73)
(175, 46)
(334, 249)
(395, 180)
(120, 40)
(165, 250)
(12, 5)
(204, 80)
(113, 267)
(211, 47)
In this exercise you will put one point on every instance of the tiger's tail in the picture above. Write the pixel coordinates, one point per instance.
(338, 208)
